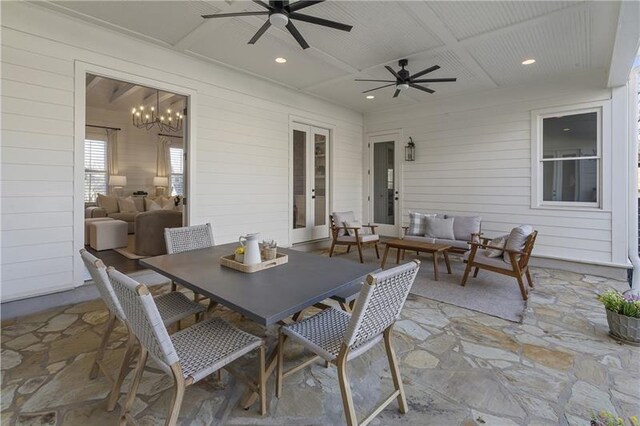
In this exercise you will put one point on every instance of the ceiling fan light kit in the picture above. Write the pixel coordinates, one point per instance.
(405, 80)
(281, 15)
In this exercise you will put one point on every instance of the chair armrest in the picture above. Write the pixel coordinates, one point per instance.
(404, 230)
(372, 227)
(94, 211)
(487, 246)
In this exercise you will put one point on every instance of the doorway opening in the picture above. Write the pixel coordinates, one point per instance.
(135, 150)
(310, 183)
(384, 186)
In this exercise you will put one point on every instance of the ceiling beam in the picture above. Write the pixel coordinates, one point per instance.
(92, 80)
(164, 96)
(126, 89)
(627, 42)
(427, 17)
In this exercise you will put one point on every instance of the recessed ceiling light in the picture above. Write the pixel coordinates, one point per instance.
(370, 97)
(528, 61)
(566, 129)
(281, 60)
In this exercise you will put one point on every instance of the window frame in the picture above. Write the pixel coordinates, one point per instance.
(171, 173)
(602, 109)
(91, 138)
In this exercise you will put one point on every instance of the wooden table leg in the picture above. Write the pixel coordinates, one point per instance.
(435, 265)
(398, 256)
(384, 258)
(446, 261)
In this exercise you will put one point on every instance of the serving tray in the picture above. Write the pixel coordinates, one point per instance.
(230, 262)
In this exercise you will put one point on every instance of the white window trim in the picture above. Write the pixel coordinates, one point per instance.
(603, 108)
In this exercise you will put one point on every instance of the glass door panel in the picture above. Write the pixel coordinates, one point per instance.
(299, 179)
(319, 191)
(384, 183)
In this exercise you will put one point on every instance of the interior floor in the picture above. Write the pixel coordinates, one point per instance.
(118, 261)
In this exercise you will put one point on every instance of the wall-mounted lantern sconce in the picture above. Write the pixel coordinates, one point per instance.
(410, 151)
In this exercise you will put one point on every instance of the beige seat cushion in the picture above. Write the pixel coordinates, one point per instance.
(482, 258)
(108, 234)
(367, 238)
(340, 218)
(420, 239)
(517, 239)
(110, 204)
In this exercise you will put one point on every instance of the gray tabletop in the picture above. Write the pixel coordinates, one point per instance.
(266, 296)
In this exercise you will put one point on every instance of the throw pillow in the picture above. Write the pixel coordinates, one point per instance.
(339, 218)
(517, 239)
(440, 228)
(464, 226)
(496, 242)
(417, 223)
(110, 204)
(127, 205)
(353, 224)
(151, 204)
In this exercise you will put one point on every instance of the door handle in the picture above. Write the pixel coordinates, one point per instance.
(313, 197)
(396, 198)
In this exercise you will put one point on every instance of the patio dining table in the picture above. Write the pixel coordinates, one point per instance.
(270, 296)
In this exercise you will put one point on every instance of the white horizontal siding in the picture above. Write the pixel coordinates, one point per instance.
(241, 157)
(473, 157)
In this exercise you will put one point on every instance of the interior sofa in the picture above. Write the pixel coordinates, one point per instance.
(455, 231)
(128, 208)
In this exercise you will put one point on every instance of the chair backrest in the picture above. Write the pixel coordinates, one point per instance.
(528, 248)
(98, 272)
(380, 302)
(188, 238)
(143, 318)
(338, 219)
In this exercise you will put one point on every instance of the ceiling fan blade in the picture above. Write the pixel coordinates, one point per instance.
(380, 81)
(381, 87)
(427, 71)
(296, 34)
(433, 80)
(320, 21)
(263, 4)
(395, 95)
(261, 31)
(424, 89)
(301, 4)
(228, 15)
(392, 71)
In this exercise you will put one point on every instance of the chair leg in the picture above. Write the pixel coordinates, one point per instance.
(523, 289)
(174, 286)
(467, 270)
(377, 251)
(529, 279)
(333, 245)
(348, 249)
(345, 390)
(103, 345)
(475, 272)
(133, 389)
(280, 364)
(178, 395)
(263, 382)
(122, 373)
(360, 252)
(395, 370)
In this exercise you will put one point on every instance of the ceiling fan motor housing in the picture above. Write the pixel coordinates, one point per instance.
(279, 20)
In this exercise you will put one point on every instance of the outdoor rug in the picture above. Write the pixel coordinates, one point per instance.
(489, 293)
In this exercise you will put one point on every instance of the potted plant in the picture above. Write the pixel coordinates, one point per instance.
(605, 418)
(623, 315)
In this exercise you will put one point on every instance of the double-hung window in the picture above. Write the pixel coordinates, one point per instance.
(567, 154)
(95, 169)
(176, 156)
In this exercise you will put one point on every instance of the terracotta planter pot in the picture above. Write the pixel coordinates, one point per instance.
(623, 327)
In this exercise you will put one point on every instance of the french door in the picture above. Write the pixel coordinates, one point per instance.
(384, 151)
(310, 164)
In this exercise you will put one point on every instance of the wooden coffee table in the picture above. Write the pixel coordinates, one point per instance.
(434, 249)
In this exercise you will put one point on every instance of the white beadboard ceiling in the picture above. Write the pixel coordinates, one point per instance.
(482, 43)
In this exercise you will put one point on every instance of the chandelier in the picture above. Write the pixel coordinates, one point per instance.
(166, 122)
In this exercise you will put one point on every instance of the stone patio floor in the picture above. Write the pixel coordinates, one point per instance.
(459, 367)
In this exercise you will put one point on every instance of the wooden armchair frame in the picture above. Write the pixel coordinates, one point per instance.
(335, 230)
(517, 268)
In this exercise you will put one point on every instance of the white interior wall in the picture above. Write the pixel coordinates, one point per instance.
(473, 157)
(241, 156)
(137, 148)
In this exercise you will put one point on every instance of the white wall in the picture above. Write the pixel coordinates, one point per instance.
(241, 151)
(474, 158)
(137, 148)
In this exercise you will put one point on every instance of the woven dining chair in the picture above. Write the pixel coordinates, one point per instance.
(189, 355)
(188, 238)
(337, 336)
(173, 307)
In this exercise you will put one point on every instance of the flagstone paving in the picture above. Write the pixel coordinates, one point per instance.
(459, 367)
